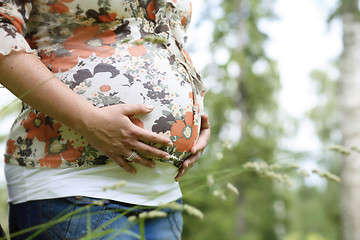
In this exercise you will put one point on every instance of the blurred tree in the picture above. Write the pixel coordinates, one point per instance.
(349, 103)
(243, 108)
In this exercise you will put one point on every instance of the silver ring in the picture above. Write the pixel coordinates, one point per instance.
(131, 157)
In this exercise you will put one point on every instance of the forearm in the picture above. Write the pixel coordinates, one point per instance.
(27, 78)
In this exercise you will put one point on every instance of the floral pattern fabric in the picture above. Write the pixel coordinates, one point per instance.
(109, 52)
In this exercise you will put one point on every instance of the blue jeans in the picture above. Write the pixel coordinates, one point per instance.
(75, 218)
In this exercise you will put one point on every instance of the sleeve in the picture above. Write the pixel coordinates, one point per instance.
(13, 17)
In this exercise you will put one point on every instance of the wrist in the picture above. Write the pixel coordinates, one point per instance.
(84, 120)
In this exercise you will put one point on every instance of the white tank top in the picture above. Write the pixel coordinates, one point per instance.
(106, 182)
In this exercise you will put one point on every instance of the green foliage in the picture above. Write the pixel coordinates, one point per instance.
(321, 205)
(324, 115)
(247, 101)
(313, 212)
(326, 119)
(251, 96)
(308, 236)
(345, 6)
(3, 209)
(215, 223)
(9, 109)
(5, 111)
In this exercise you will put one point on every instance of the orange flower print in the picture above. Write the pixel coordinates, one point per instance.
(56, 151)
(107, 17)
(10, 148)
(183, 21)
(46, 60)
(105, 88)
(87, 40)
(59, 7)
(32, 41)
(137, 50)
(150, 10)
(186, 131)
(50, 162)
(187, 56)
(36, 127)
(84, 42)
(60, 63)
(18, 23)
(191, 96)
(190, 10)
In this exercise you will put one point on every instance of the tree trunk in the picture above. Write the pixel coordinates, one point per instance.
(349, 101)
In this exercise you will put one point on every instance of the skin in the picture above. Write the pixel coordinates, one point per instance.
(115, 137)
(198, 148)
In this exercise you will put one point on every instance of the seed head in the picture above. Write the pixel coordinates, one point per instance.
(210, 180)
(152, 214)
(119, 184)
(232, 189)
(340, 149)
(193, 211)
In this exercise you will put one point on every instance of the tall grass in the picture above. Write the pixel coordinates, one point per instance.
(4, 209)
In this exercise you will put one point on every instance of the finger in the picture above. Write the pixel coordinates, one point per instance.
(150, 151)
(204, 135)
(134, 109)
(202, 141)
(144, 161)
(187, 164)
(190, 161)
(148, 136)
(124, 164)
(205, 123)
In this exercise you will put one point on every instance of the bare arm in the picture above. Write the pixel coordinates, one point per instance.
(107, 129)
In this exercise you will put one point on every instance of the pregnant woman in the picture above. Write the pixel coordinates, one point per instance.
(110, 98)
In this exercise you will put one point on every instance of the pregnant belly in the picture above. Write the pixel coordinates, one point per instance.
(158, 81)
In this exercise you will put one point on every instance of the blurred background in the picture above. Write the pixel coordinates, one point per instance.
(282, 98)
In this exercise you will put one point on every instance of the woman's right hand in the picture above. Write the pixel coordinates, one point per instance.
(110, 130)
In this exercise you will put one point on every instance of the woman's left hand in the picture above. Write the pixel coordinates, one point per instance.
(198, 148)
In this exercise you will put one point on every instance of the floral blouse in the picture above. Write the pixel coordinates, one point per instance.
(109, 52)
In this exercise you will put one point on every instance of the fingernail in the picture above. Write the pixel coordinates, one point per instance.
(149, 108)
(170, 143)
(167, 157)
(182, 171)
